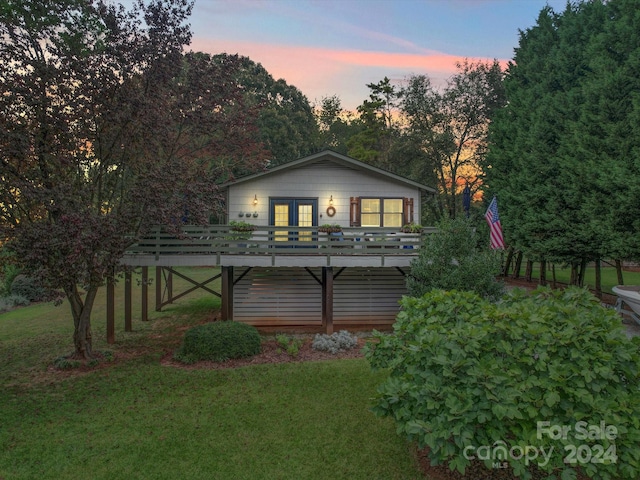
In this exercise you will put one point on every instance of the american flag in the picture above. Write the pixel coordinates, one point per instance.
(495, 228)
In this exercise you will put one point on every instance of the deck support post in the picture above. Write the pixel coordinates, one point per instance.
(327, 299)
(227, 293)
(158, 289)
(111, 331)
(145, 294)
(127, 301)
(169, 285)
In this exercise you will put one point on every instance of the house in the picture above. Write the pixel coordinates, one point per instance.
(285, 271)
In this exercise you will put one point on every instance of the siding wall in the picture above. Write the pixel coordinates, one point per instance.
(292, 297)
(278, 296)
(367, 296)
(319, 180)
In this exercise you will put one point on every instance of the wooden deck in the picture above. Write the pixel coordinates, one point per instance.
(276, 247)
(280, 277)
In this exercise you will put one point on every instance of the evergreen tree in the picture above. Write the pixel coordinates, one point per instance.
(562, 152)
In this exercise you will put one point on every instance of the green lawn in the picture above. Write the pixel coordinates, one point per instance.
(609, 277)
(137, 419)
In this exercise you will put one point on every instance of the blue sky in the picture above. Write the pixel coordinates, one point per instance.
(329, 47)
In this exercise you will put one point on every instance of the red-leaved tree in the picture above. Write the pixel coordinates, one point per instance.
(107, 128)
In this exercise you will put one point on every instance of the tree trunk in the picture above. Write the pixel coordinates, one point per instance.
(554, 283)
(583, 271)
(619, 272)
(81, 312)
(598, 279)
(573, 279)
(507, 262)
(543, 272)
(528, 271)
(518, 265)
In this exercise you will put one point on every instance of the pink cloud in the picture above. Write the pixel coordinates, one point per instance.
(319, 72)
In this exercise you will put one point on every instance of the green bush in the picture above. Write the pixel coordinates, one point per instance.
(334, 343)
(30, 288)
(219, 341)
(291, 345)
(11, 271)
(13, 301)
(453, 258)
(471, 379)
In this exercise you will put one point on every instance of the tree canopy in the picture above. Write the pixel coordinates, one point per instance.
(564, 154)
(451, 125)
(286, 123)
(107, 128)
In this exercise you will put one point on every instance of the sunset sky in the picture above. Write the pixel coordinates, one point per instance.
(337, 47)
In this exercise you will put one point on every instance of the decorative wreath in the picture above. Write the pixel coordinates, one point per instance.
(331, 211)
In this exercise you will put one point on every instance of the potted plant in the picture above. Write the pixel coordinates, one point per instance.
(412, 228)
(411, 231)
(330, 228)
(240, 231)
(327, 230)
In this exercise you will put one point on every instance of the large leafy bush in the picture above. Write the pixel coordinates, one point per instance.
(466, 373)
(30, 288)
(219, 341)
(454, 258)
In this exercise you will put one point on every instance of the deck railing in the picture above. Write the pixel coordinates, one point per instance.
(272, 240)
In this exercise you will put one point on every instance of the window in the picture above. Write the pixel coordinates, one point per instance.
(381, 212)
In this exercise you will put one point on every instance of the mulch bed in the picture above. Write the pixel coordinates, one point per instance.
(273, 353)
(475, 471)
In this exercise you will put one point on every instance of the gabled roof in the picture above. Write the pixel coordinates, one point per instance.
(334, 157)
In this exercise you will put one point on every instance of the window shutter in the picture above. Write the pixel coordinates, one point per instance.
(354, 212)
(408, 210)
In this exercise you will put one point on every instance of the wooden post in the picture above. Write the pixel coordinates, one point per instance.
(158, 289)
(170, 285)
(111, 331)
(327, 299)
(145, 294)
(227, 293)
(127, 301)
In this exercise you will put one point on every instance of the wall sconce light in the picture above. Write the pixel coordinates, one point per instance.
(255, 199)
(331, 211)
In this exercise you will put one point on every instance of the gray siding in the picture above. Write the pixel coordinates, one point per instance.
(320, 180)
(292, 296)
(367, 296)
(278, 296)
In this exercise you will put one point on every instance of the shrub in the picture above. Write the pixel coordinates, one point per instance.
(13, 301)
(469, 378)
(219, 341)
(30, 288)
(11, 271)
(334, 343)
(290, 345)
(66, 363)
(454, 259)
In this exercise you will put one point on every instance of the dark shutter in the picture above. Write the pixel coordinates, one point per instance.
(354, 212)
(408, 210)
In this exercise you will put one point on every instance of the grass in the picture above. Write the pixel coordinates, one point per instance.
(138, 419)
(609, 276)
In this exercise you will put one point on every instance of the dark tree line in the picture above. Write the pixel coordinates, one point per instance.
(564, 154)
